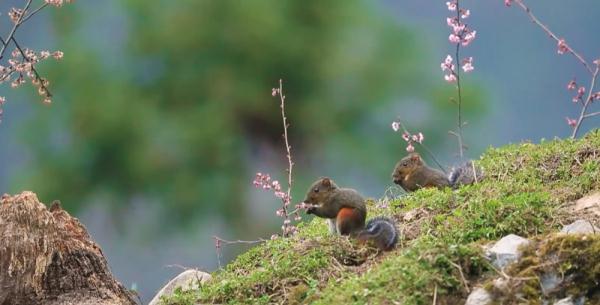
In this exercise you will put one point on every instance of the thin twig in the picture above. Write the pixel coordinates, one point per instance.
(586, 103)
(435, 294)
(288, 152)
(34, 12)
(14, 28)
(457, 74)
(551, 34)
(589, 115)
(462, 276)
(219, 242)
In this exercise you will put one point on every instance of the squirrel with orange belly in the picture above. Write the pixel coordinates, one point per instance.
(346, 213)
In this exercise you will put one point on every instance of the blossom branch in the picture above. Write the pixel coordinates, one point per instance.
(561, 42)
(586, 103)
(562, 48)
(461, 35)
(42, 82)
(18, 22)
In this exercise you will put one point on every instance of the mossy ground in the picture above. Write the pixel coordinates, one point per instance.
(440, 254)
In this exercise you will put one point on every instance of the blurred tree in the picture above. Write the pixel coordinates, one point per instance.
(174, 114)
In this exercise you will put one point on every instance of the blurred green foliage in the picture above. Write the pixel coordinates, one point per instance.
(176, 115)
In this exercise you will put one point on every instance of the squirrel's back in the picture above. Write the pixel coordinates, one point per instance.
(467, 173)
(381, 231)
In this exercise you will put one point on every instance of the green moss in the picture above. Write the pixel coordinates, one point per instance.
(439, 254)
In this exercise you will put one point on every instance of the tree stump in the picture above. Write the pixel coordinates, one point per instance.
(48, 258)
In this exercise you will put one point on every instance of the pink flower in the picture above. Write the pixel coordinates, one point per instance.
(597, 62)
(279, 213)
(274, 91)
(454, 38)
(571, 122)
(418, 138)
(468, 38)
(464, 13)
(450, 78)
(507, 2)
(447, 64)
(451, 5)
(57, 54)
(406, 136)
(396, 126)
(571, 85)
(581, 91)
(562, 47)
(410, 148)
(451, 21)
(468, 64)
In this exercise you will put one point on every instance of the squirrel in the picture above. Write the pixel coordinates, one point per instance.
(346, 212)
(411, 173)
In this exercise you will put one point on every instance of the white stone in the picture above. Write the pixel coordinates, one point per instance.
(479, 296)
(580, 227)
(565, 301)
(506, 250)
(187, 280)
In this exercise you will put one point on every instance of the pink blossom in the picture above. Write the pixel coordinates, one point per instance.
(451, 5)
(571, 85)
(447, 64)
(274, 91)
(451, 21)
(451, 78)
(57, 54)
(410, 148)
(406, 136)
(581, 91)
(571, 122)
(454, 38)
(507, 2)
(470, 36)
(468, 64)
(562, 47)
(396, 126)
(418, 138)
(464, 13)
(597, 62)
(279, 213)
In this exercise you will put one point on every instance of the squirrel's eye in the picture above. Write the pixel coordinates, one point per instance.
(316, 190)
(404, 163)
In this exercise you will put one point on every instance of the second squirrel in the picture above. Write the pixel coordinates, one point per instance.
(411, 173)
(346, 213)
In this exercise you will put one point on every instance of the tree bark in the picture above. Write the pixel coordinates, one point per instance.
(48, 258)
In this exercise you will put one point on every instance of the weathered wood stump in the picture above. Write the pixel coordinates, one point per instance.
(47, 257)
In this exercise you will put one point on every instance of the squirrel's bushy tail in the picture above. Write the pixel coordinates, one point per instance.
(381, 231)
(467, 173)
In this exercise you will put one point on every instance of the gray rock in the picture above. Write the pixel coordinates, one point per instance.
(187, 280)
(580, 227)
(549, 281)
(506, 250)
(479, 296)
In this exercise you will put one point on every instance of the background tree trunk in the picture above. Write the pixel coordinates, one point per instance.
(47, 257)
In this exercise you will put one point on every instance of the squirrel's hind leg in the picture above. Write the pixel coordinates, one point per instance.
(332, 226)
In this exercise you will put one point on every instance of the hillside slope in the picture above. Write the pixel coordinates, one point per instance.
(527, 191)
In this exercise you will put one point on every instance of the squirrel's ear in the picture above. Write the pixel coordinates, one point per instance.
(415, 157)
(326, 182)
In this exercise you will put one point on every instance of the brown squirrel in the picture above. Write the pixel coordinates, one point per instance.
(346, 213)
(411, 173)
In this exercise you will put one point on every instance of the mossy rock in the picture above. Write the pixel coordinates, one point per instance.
(440, 254)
